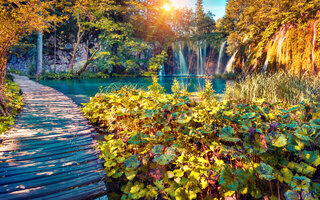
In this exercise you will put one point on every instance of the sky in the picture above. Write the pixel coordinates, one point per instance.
(217, 7)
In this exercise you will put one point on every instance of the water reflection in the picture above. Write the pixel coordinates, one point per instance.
(81, 90)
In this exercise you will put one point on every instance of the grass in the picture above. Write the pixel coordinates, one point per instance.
(14, 103)
(279, 87)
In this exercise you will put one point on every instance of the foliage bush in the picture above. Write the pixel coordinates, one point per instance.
(13, 71)
(228, 76)
(90, 75)
(14, 102)
(277, 87)
(156, 62)
(65, 75)
(162, 146)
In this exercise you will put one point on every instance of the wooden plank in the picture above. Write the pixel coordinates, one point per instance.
(43, 144)
(41, 168)
(56, 133)
(29, 155)
(5, 180)
(20, 138)
(49, 153)
(55, 129)
(46, 186)
(46, 147)
(6, 166)
(81, 193)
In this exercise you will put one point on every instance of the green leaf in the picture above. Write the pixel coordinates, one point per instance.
(184, 119)
(315, 188)
(300, 183)
(136, 139)
(292, 195)
(295, 108)
(166, 158)
(303, 133)
(132, 162)
(281, 141)
(287, 175)
(159, 184)
(315, 123)
(158, 149)
(181, 194)
(228, 179)
(266, 171)
(178, 173)
(249, 115)
(131, 174)
(308, 196)
(227, 134)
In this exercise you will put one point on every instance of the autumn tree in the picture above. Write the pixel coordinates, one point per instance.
(262, 26)
(18, 18)
(204, 21)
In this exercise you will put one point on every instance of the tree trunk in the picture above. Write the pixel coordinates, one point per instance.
(90, 59)
(75, 49)
(39, 53)
(3, 66)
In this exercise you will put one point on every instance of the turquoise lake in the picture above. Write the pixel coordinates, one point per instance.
(81, 90)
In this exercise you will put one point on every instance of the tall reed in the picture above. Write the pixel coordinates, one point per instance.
(281, 87)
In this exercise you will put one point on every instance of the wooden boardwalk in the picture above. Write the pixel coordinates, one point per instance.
(49, 153)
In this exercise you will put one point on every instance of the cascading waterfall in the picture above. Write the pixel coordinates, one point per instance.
(195, 58)
(162, 71)
(182, 61)
(280, 43)
(198, 51)
(230, 63)
(314, 44)
(265, 65)
(204, 59)
(222, 48)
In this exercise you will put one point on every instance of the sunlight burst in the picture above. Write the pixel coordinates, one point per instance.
(167, 7)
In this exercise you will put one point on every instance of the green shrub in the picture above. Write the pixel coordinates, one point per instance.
(278, 87)
(149, 74)
(67, 76)
(90, 75)
(14, 103)
(13, 71)
(162, 146)
(49, 76)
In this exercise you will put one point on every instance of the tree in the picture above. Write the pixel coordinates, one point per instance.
(204, 21)
(18, 18)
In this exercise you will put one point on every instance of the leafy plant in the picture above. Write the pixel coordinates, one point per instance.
(166, 146)
(14, 103)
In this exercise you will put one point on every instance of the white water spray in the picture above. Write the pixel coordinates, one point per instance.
(314, 44)
(183, 63)
(222, 48)
(230, 63)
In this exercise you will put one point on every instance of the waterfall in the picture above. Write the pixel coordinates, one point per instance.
(192, 58)
(313, 45)
(204, 59)
(182, 61)
(280, 43)
(199, 56)
(222, 48)
(230, 63)
(265, 65)
(162, 71)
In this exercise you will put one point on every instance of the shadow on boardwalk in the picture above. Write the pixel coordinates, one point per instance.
(49, 153)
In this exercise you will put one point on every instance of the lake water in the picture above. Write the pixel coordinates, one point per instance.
(81, 90)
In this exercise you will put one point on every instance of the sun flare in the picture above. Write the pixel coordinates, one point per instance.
(167, 7)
